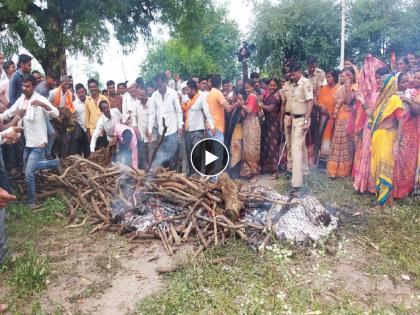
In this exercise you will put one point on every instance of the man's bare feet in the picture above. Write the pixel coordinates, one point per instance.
(3, 308)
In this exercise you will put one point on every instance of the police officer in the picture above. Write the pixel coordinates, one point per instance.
(318, 79)
(287, 120)
(316, 76)
(301, 109)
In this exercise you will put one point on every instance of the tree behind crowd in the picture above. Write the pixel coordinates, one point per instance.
(299, 28)
(48, 29)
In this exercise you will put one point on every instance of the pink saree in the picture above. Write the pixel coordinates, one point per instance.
(362, 177)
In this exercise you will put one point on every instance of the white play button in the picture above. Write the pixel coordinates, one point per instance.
(209, 158)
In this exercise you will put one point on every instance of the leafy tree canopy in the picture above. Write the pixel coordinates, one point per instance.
(380, 26)
(50, 27)
(296, 29)
(209, 48)
(299, 28)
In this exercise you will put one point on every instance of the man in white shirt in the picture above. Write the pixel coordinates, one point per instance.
(164, 106)
(197, 115)
(37, 108)
(79, 105)
(141, 115)
(9, 68)
(129, 105)
(171, 82)
(122, 88)
(106, 123)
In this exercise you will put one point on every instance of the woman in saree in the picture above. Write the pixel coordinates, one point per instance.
(340, 161)
(407, 152)
(271, 127)
(385, 130)
(326, 101)
(415, 111)
(234, 131)
(251, 133)
(403, 66)
(370, 85)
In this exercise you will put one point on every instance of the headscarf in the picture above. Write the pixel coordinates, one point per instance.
(367, 80)
(390, 88)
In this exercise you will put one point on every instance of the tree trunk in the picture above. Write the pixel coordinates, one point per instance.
(54, 54)
(245, 70)
(54, 58)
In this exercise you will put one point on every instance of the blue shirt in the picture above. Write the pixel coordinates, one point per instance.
(15, 86)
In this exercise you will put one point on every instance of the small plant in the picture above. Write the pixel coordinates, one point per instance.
(30, 273)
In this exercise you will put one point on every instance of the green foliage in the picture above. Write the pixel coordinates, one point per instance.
(30, 273)
(378, 26)
(299, 28)
(26, 225)
(50, 28)
(296, 29)
(175, 55)
(397, 234)
(210, 51)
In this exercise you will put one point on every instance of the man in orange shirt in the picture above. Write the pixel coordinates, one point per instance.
(217, 105)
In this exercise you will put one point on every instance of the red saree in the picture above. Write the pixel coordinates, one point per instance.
(406, 161)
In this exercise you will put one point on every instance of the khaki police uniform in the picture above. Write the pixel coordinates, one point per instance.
(318, 80)
(287, 122)
(302, 92)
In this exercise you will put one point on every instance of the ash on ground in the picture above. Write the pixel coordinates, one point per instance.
(300, 220)
(306, 220)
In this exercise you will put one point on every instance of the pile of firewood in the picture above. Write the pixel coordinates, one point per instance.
(206, 213)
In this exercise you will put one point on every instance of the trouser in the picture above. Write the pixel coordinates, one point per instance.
(218, 151)
(52, 135)
(102, 142)
(191, 139)
(287, 134)
(167, 152)
(3, 239)
(145, 151)
(124, 154)
(299, 152)
(183, 155)
(12, 154)
(4, 182)
(32, 158)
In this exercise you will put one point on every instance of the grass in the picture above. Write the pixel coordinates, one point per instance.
(397, 234)
(27, 270)
(275, 283)
(286, 280)
(251, 285)
(30, 273)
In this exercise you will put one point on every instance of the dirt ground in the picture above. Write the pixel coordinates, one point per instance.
(101, 274)
(105, 274)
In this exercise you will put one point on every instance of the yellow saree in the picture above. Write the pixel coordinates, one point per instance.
(382, 159)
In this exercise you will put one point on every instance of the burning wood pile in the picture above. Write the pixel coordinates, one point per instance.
(172, 207)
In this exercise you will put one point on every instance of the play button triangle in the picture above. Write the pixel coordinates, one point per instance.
(210, 158)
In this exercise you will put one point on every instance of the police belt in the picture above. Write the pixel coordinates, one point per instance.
(298, 116)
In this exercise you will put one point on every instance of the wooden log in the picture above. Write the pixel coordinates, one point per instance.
(230, 194)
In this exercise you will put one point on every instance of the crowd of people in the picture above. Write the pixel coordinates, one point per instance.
(359, 123)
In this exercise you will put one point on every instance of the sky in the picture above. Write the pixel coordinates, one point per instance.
(119, 67)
